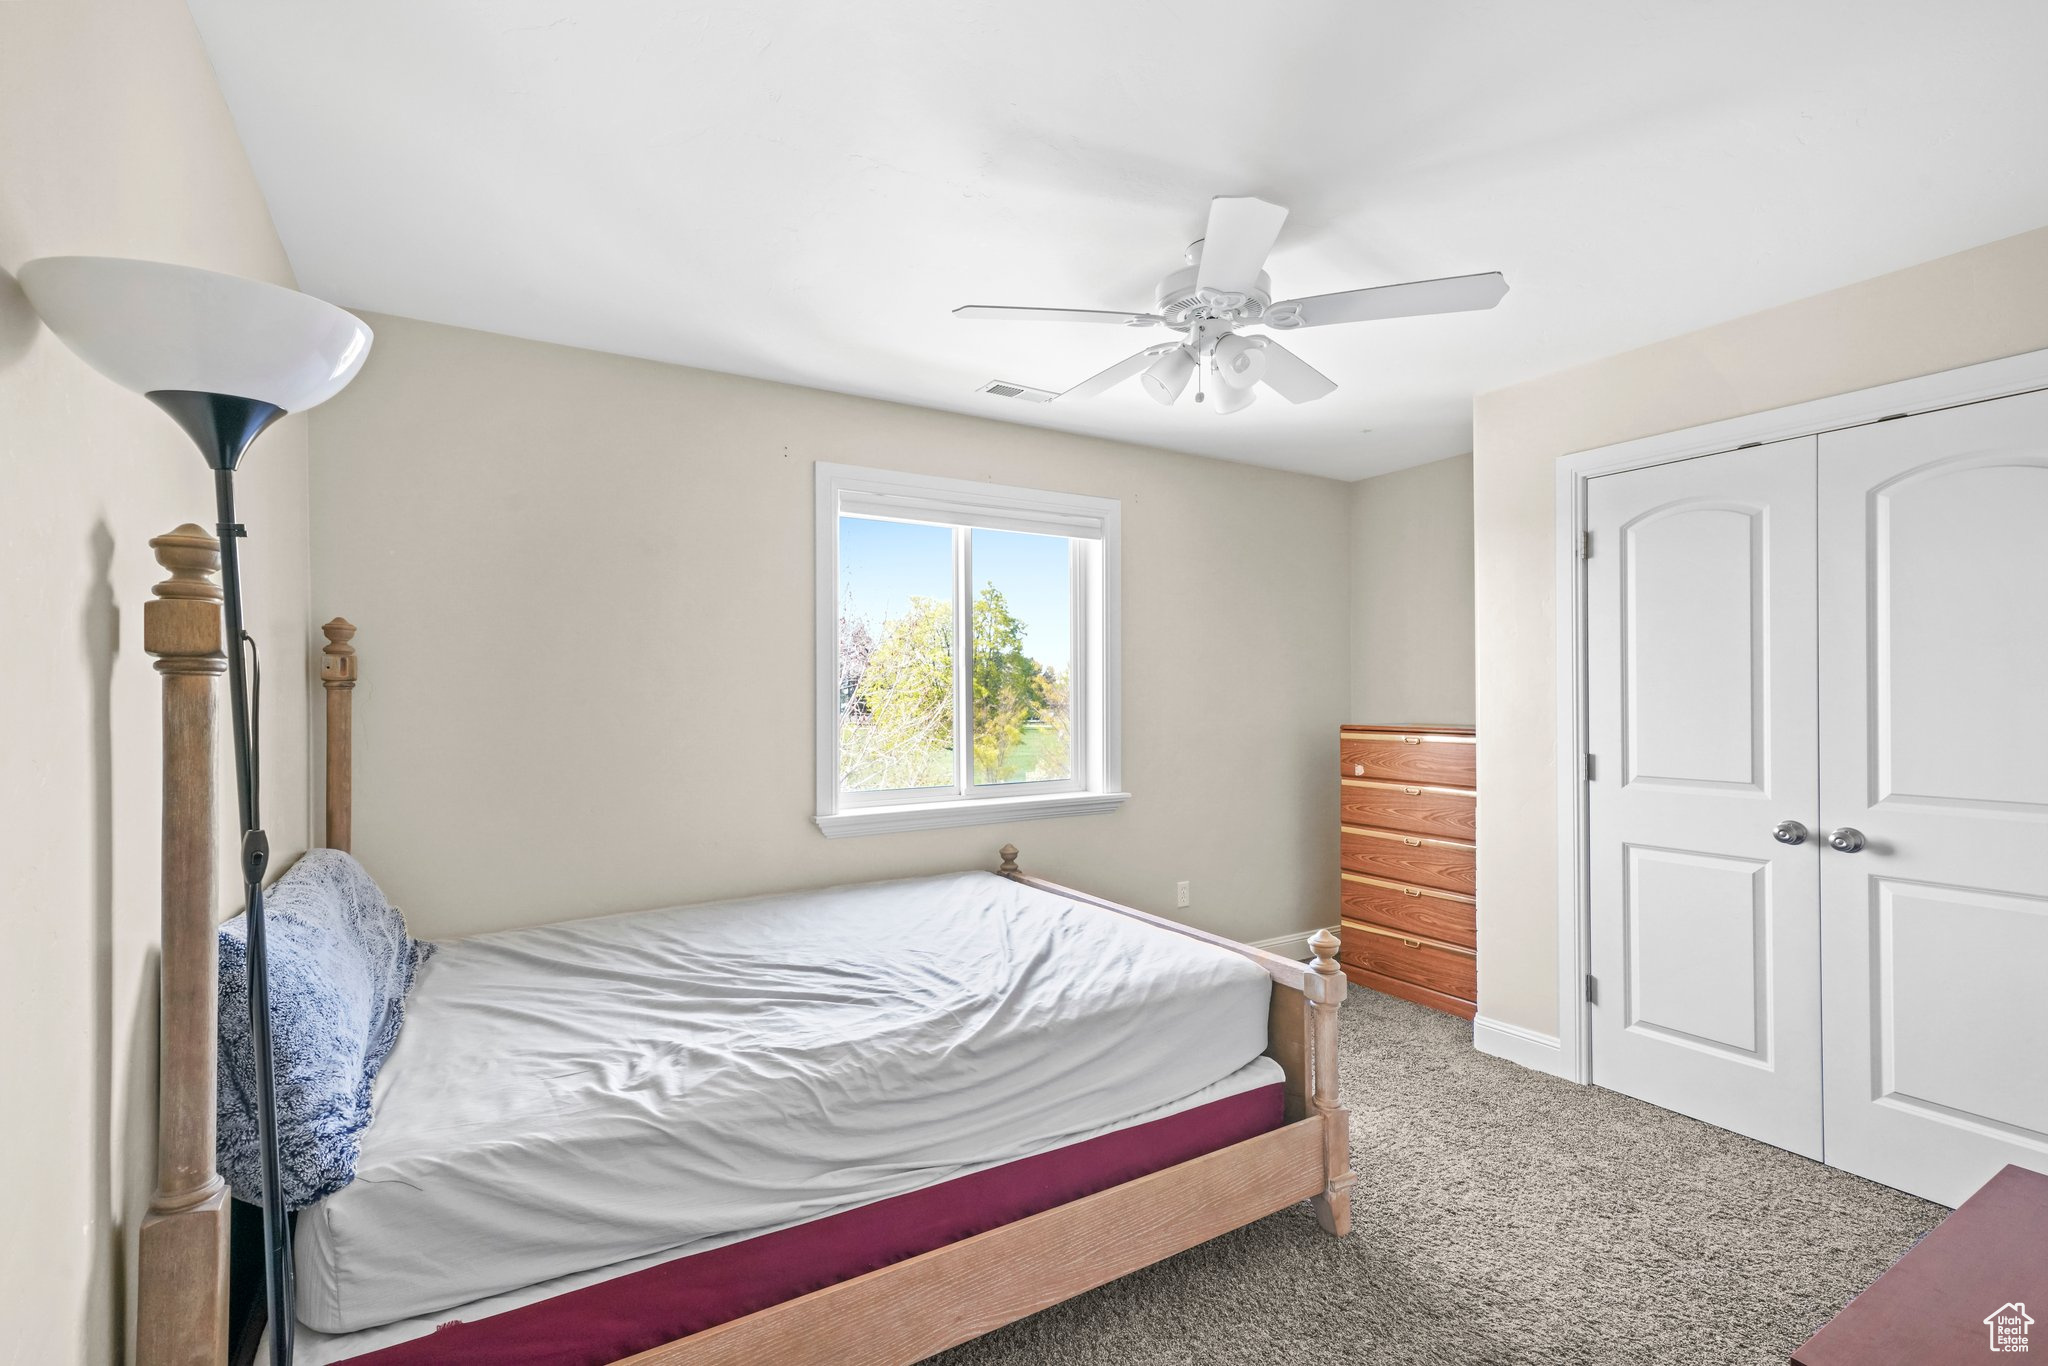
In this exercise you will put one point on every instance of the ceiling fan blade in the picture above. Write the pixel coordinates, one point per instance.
(1005, 313)
(1117, 374)
(1240, 236)
(1293, 378)
(1454, 294)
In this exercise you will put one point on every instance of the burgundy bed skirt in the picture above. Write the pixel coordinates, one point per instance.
(643, 1309)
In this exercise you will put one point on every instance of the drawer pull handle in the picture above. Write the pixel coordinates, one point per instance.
(1411, 943)
(1411, 739)
(1358, 770)
(1412, 791)
(1411, 843)
(1412, 891)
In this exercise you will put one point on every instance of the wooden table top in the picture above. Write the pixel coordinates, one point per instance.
(1987, 1260)
(1418, 728)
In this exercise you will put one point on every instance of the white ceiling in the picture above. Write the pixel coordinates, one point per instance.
(801, 191)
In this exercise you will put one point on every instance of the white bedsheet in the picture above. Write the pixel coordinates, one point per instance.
(579, 1095)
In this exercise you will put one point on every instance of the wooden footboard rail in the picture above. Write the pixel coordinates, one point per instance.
(898, 1314)
(909, 1310)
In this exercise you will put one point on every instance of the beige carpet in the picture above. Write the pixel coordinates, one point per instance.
(1502, 1217)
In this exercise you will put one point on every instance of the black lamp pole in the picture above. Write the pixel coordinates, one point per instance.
(224, 426)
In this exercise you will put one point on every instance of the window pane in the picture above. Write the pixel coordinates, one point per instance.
(1023, 657)
(895, 655)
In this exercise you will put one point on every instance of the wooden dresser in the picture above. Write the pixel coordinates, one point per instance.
(1409, 825)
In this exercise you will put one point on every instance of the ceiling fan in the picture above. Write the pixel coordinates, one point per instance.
(1224, 287)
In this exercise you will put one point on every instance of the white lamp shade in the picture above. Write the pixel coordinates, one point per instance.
(1240, 362)
(149, 326)
(1228, 398)
(1169, 375)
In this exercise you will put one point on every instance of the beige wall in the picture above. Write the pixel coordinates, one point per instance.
(1411, 595)
(113, 140)
(1975, 306)
(584, 591)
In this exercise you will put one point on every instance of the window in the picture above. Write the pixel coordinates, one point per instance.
(966, 652)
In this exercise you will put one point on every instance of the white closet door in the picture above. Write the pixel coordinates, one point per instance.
(1701, 707)
(1934, 745)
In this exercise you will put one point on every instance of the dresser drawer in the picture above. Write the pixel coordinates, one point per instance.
(1419, 911)
(1450, 761)
(1420, 962)
(1445, 812)
(1410, 860)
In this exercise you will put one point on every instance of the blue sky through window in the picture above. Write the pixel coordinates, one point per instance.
(882, 565)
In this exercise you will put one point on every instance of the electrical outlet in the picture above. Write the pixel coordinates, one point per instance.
(1180, 894)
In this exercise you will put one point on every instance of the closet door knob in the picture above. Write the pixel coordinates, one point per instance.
(1848, 839)
(1789, 832)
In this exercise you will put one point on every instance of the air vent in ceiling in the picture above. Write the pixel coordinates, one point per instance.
(1004, 389)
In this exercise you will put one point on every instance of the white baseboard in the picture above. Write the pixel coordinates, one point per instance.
(1293, 946)
(1538, 1052)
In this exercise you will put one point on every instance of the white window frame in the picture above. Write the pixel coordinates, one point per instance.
(1093, 527)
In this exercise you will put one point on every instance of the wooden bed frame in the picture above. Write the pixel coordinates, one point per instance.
(899, 1314)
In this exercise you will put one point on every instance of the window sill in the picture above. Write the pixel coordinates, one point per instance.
(884, 820)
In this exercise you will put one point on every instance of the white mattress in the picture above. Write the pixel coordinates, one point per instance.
(585, 1094)
(314, 1348)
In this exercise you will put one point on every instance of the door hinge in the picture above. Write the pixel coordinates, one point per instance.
(1592, 990)
(1589, 768)
(1586, 547)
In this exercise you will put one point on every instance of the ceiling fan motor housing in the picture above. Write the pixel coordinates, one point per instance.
(1182, 305)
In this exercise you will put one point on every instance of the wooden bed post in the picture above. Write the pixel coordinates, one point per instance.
(1333, 1206)
(1008, 867)
(182, 1308)
(338, 677)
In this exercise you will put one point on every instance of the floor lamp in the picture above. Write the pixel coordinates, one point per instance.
(225, 357)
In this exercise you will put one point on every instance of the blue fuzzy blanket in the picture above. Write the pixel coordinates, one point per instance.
(341, 964)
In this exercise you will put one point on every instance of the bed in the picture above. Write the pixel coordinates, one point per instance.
(916, 1110)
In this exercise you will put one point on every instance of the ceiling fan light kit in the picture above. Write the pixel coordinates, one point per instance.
(1240, 360)
(1168, 376)
(1229, 398)
(1224, 287)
